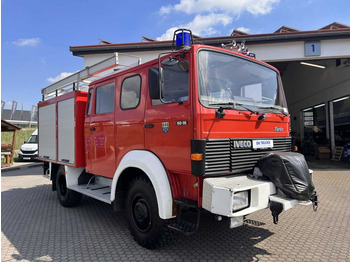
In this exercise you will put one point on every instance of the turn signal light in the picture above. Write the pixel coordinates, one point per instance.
(196, 157)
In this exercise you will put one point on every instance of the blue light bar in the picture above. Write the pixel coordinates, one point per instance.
(183, 39)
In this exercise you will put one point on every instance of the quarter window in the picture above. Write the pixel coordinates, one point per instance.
(130, 95)
(105, 99)
(91, 92)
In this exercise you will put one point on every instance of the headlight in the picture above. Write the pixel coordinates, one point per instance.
(240, 200)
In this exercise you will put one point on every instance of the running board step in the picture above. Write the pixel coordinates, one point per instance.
(97, 191)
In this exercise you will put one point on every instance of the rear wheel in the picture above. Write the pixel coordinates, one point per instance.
(147, 228)
(67, 197)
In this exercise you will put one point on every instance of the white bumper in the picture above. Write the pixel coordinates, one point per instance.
(218, 195)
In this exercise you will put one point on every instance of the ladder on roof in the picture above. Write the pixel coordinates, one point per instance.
(81, 79)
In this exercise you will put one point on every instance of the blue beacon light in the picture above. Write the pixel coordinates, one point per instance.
(183, 39)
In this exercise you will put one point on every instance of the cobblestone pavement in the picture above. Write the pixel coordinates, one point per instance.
(36, 228)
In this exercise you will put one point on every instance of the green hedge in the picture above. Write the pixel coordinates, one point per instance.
(22, 135)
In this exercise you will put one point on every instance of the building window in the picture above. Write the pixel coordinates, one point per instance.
(341, 116)
(315, 133)
(130, 94)
(105, 99)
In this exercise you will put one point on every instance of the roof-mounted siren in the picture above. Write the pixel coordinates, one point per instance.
(182, 39)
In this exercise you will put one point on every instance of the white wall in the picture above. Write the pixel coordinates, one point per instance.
(275, 52)
(129, 59)
(292, 51)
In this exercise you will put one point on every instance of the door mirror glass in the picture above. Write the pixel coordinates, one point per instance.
(183, 65)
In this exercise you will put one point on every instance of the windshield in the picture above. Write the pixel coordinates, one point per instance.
(227, 79)
(33, 139)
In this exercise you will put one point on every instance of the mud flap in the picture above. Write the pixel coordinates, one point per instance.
(276, 209)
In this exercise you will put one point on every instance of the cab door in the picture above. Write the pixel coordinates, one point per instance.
(100, 130)
(130, 110)
(168, 123)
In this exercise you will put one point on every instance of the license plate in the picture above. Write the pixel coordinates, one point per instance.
(262, 144)
(26, 158)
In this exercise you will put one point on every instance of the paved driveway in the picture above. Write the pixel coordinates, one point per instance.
(36, 228)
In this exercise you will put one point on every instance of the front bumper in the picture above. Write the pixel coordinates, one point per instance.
(24, 156)
(218, 196)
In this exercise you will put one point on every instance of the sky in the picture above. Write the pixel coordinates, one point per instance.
(36, 34)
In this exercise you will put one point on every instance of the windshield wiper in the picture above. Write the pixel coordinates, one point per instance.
(228, 104)
(275, 108)
(233, 106)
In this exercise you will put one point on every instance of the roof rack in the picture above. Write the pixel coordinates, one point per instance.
(81, 79)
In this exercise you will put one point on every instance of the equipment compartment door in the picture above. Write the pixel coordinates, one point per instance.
(47, 132)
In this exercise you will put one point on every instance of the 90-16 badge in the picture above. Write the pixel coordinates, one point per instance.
(182, 123)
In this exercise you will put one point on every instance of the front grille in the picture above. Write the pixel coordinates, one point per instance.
(222, 158)
(217, 156)
(28, 151)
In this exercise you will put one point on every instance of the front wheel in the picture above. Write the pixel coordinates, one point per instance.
(147, 228)
(67, 197)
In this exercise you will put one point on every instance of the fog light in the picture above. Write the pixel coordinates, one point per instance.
(240, 200)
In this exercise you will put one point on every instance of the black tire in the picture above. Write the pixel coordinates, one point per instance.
(145, 225)
(67, 197)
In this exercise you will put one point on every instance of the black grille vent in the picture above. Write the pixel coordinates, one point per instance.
(222, 158)
(217, 156)
(28, 152)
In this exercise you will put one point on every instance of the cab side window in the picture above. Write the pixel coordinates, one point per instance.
(90, 97)
(104, 99)
(130, 93)
(176, 84)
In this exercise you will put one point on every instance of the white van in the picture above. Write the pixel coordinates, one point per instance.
(29, 150)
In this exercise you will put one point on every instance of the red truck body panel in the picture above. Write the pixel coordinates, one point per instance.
(102, 140)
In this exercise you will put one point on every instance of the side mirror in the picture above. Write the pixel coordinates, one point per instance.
(183, 65)
(24, 142)
(154, 82)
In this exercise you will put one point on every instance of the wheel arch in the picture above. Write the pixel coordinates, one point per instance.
(143, 163)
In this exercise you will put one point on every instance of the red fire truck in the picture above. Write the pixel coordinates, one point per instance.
(183, 132)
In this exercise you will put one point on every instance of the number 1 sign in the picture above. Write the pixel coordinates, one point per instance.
(313, 48)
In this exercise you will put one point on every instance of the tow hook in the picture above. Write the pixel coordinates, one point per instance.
(314, 200)
(276, 209)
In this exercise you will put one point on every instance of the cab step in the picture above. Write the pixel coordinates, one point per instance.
(183, 226)
(187, 221)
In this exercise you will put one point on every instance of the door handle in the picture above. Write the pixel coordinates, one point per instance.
(148, 126)
(92, 129)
